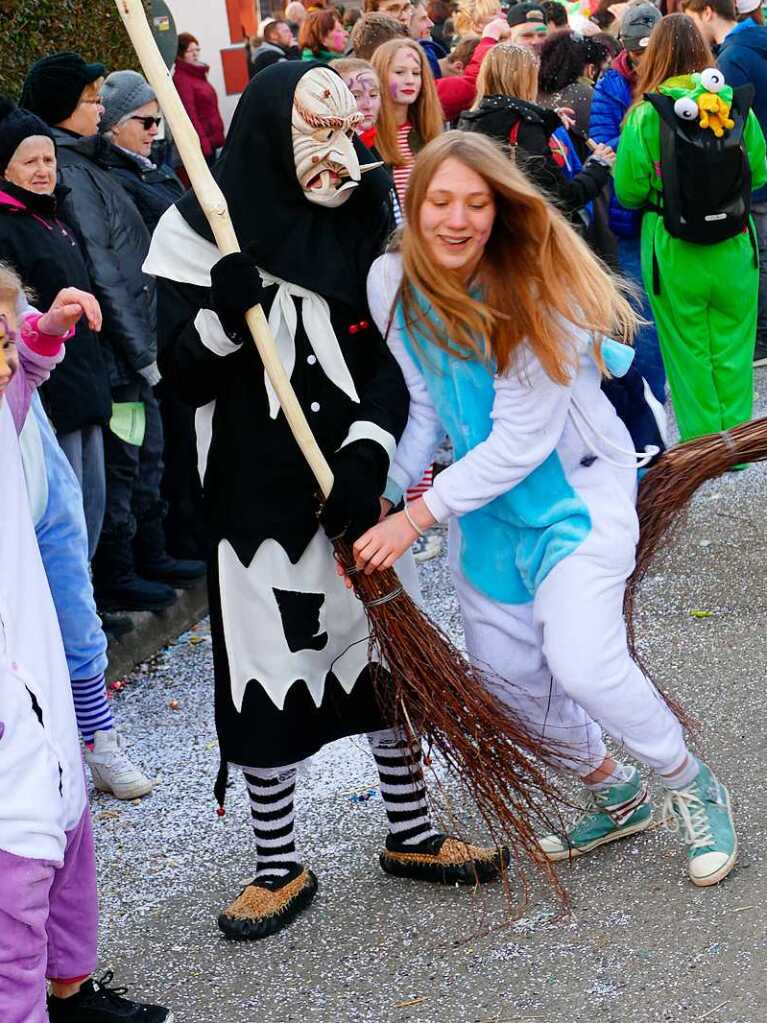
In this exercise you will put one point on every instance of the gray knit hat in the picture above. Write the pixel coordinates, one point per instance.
(122, 93)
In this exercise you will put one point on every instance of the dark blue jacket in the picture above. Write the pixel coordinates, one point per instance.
(152, 189)
(742, 58)
(611, 99)
(434, 54)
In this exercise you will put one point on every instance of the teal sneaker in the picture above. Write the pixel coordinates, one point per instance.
(610, 814)
(701, 812)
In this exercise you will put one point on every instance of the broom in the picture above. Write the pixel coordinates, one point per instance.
(428, 687)
(667, 489)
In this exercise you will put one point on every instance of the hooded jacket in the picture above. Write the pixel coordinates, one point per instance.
(201, 103)
(742, 58)
(499, 116)
(612, 97)
(114, 240)
(45, 252)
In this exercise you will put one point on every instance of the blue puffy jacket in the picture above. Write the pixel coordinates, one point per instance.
(611, 99)
(742, 58)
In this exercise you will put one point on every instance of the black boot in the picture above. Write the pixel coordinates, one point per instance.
(153, 560)
(115, 626)
(116, 584)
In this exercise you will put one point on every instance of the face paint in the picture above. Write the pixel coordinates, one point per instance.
(9, 362)
(367, 95)
(405, 77)
(325, 119)
(336, 41)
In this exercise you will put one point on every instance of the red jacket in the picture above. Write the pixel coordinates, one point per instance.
(201, 103)
(457, 93)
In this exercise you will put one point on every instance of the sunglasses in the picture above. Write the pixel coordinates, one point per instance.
(147, 122)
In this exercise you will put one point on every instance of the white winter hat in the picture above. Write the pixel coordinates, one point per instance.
(747, 6)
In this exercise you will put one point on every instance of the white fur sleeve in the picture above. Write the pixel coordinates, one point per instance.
(528, 417)
(424, 431)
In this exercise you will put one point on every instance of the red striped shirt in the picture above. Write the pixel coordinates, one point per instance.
(401, 173)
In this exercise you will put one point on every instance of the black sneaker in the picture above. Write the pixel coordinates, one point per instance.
(97, 1002)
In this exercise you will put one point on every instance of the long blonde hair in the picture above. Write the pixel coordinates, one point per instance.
(508, 70)
(537, 276)
(472, 16)
(426, 113)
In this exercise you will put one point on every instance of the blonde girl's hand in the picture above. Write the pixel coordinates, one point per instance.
(67, 308)
(384, 544)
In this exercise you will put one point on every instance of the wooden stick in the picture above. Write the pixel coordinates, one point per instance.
(213, 204)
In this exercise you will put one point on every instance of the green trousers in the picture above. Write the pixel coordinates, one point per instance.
(705, 313)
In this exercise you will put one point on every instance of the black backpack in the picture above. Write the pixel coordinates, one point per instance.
(706, 180)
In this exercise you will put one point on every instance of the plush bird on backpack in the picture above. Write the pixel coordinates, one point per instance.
(709, 100)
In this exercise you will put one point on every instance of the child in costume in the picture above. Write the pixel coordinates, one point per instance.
(290, 644)
(540, 499)
(703, 295)
(48, 900)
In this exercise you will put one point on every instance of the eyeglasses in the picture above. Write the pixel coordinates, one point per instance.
(147, 122)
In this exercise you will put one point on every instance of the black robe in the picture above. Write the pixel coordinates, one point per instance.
(276, 601)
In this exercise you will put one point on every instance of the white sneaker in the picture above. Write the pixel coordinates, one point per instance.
(112, 771)
(427, 546)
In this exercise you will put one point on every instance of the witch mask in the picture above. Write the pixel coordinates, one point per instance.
(324, 120)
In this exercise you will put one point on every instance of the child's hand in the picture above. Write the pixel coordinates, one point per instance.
(68, 307)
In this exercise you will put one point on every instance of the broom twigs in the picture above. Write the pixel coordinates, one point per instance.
(667, 489)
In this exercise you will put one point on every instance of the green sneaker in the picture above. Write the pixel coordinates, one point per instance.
(701, 811)
(610, 814)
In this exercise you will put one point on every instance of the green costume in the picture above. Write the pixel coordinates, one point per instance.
(706, 309)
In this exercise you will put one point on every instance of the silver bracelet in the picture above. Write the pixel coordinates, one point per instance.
(412, 521)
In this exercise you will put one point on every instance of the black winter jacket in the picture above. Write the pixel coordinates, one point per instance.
(497, 116)
(47, 256)
(152, 189)
(115, 242)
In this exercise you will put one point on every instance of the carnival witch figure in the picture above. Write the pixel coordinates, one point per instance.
(290, 643)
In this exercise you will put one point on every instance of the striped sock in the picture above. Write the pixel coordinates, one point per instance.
(271, 793)
(403, 789)
(92, 708)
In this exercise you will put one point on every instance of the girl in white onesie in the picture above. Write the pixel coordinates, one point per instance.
(540, 499)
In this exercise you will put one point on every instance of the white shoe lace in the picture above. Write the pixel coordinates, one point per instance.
(684, 811)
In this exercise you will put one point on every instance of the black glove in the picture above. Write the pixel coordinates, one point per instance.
(359, 478)
(235, 287)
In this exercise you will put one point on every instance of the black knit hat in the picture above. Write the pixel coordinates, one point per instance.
(15, 126)
(54, 85)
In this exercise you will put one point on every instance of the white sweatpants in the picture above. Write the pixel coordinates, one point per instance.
(565, 654)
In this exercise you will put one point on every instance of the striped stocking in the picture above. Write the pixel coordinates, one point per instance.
(402, 785)
(92, 708)
(271, 793)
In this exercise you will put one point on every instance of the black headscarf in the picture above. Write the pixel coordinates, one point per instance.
(324, 250)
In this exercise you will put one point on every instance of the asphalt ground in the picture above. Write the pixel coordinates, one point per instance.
(642, 945)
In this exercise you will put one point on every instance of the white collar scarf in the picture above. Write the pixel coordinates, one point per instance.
(180, 254)
(315, 314)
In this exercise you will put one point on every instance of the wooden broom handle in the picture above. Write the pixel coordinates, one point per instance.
(213, 204)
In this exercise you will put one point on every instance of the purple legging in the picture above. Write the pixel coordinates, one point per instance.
(48, 924)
